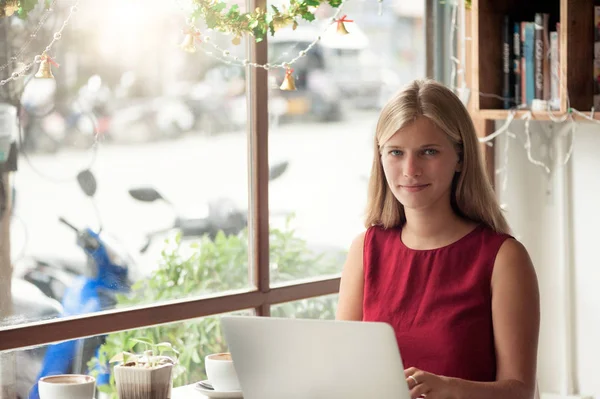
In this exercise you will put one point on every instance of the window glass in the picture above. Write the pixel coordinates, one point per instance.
(324, 129)
(132, 181)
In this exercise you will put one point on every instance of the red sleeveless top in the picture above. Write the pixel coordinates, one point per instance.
(438, 301)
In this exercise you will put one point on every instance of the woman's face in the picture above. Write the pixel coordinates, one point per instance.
(419, 162)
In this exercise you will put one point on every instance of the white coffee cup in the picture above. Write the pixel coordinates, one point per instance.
(67, 386)
(221, 373)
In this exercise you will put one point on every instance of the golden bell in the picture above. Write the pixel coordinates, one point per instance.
(288, 82)
(341, 28)
(45, 72)
(188, 43)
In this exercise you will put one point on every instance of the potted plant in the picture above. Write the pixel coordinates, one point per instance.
(145, 376)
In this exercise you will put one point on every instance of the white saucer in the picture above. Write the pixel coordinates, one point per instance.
(218, 394)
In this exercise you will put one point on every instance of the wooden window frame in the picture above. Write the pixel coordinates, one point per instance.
(260, 298)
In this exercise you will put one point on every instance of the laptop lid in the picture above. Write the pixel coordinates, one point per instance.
(277, 358)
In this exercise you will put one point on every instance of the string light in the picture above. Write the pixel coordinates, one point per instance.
(235, 60)
(226, 56)
(527, 118)
(453, 29)
(38, 58)
(19, 53)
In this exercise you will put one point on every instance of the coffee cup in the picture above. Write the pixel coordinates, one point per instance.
(67, 386)
(221, 373)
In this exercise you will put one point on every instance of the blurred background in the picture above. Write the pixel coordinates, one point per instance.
(143, 142)
(177, 121)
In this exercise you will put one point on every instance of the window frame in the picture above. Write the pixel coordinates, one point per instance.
(260, 298)
(264, 294)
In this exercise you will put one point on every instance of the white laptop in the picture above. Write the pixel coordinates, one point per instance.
(279, 358)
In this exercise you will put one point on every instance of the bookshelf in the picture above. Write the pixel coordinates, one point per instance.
(576, 49)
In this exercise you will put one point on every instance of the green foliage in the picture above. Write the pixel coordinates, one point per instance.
(214, 266)
(218, 16)
(257, 22)
(25, 6)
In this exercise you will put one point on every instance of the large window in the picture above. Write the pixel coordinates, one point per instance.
(206, 200)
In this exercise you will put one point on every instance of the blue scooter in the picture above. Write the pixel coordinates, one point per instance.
(108, 275)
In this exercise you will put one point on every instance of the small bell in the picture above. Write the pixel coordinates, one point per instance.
(288, 81)
(341, 28)
(188, 43)
(45, 71)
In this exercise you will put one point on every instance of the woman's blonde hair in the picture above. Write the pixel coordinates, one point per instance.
(472, 195)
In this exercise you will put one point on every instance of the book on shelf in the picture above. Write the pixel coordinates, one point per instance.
(531, 68)
(554, 70)
(517, 70)
(507, 65)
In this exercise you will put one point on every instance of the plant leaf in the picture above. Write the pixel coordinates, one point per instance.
(166, 346)
(123, 357)
(141, 341)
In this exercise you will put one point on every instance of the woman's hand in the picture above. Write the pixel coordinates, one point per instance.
(424, 384)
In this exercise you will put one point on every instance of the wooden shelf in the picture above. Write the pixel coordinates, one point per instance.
(484, 61)
(502, 114)
(576, 39)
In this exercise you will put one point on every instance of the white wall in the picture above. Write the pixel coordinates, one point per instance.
(534, 210)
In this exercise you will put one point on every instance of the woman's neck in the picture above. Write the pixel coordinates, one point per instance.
(428, 229)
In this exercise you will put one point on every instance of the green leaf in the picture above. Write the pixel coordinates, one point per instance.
(142, 341)
(309, 16)
(166, 346)
(219, 7)
(123, 357)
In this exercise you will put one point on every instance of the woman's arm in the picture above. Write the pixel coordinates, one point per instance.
(352, 283)
(516, 321)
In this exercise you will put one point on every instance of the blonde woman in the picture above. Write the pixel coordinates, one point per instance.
(437, 261)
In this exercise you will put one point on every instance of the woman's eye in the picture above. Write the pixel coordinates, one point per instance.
(395, 152)
(430, 151)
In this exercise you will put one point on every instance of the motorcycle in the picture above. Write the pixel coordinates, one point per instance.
(94, 290)
(220, 214)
